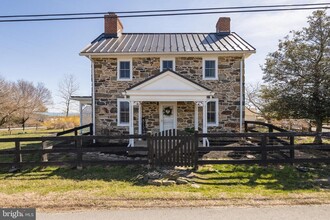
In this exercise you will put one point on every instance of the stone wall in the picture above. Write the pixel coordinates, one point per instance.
(108, 89)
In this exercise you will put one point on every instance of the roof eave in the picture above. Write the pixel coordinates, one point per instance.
(246, 53)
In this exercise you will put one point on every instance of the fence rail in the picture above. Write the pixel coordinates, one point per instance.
(79, 147)
(76, 129)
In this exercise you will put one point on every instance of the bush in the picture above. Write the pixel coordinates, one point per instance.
(62, 122)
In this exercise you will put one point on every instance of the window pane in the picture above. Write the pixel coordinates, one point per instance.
(167, 64)
(210, 69)
(210, 64)
(124, 112)
(209, 73)
(211, 112)
(125, 70)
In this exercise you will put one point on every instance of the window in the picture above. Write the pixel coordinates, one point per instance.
(123, 113)
(167, 64)
(212, 113)
(210, 69)
(124, 70)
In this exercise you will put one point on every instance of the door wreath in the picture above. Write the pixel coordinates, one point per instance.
(167, 111)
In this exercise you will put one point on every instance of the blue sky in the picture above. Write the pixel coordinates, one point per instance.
(45, 51)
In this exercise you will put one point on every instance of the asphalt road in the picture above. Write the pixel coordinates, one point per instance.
(321, 212)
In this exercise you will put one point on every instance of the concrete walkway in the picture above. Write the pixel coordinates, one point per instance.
(321, 212)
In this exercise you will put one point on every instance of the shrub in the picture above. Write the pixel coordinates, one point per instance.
(62, 122)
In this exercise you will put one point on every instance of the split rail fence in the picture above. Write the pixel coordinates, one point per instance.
(170, 148)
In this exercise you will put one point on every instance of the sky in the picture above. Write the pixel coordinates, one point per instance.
(46, 51)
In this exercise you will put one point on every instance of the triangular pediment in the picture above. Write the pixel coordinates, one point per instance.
(168, 81)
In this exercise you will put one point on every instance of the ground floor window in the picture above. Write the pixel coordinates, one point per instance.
(212, 112)
(123, 113)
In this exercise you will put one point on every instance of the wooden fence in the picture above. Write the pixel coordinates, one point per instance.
(191, 154)
(77, 129)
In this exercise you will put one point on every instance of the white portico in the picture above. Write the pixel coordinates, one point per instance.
(167, 88)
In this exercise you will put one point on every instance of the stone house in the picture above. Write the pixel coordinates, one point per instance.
(151, 82)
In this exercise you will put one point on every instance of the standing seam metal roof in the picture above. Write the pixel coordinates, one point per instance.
(168, 43)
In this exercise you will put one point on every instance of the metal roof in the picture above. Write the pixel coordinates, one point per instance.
(168, 43)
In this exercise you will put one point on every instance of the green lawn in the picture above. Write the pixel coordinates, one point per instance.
(118, 186)
(24, 145)
(107, 187)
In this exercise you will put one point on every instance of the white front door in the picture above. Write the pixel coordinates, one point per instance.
(167, 115)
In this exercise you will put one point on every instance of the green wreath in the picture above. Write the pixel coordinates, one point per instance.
(167, 111)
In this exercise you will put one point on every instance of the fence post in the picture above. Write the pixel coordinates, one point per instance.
(196, 150)
(91, 132)
(263, 149)
(271, 139)
(246, 126)
(18, 155)
(79, 153)
(44, 157)
(150, 151)
(292, 146)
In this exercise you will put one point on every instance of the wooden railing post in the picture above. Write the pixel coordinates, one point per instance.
(150, 151)
(18, 155)
(44, 157)
(195, 150)
(263, 149)
(91, 131)
(292, 156)
(246, 126)
(79, 146)
(271, 139)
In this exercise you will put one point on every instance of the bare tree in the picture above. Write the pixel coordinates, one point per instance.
(67, 88)
(30, 99)
(255, 102)
(7, 107)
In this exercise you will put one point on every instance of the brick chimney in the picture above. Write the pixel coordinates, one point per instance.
(223, 25)
(112, 25)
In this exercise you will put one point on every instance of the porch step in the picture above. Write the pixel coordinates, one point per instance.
(139, 143)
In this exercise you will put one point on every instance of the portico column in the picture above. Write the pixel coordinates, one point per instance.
(140, 118)
(204, 122)
(131, 122)
(196, 116)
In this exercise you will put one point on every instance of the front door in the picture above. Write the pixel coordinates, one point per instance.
(167, 115)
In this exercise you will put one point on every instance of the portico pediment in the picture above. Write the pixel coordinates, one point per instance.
(169, 86)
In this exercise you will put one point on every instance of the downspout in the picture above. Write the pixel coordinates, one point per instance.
(93, 93)
(241, 97)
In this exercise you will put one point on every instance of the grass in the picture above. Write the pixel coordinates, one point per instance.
(64, 188)
(55, 188)
(24, 145)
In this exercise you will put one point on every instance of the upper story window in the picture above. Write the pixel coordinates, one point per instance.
(167, 64)
(124, 70)
(123, 112)
(212, 112)
(210, 69)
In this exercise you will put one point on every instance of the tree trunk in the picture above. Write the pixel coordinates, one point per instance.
(318, 139)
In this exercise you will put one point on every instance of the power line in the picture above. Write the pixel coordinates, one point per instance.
(167, 10)
(166, 14)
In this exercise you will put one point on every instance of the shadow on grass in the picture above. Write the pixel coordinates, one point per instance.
(286, 178)
(114, 173)
(271, 177)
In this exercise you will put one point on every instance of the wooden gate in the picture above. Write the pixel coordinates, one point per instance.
(172, 148)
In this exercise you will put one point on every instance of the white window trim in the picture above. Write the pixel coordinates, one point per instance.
(118, 112)
(216, 68)
(131, 69)
(164, 58)
(216, 112)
